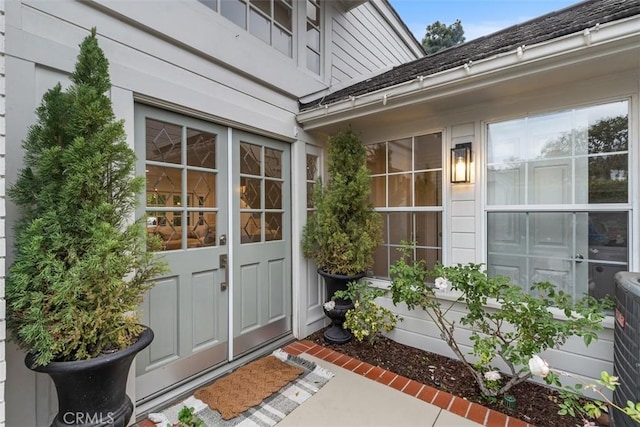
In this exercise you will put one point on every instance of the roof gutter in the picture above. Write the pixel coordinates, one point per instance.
(524, 60)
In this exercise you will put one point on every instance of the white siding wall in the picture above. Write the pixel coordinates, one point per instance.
(464, 228)
(182, 57)
(3, 246)
(362, 42)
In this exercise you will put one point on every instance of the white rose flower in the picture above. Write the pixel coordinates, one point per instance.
(538, 366)
(329, 305)
(442, 283)
(492, 376)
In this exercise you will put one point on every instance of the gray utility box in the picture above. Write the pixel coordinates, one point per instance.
(626, 347)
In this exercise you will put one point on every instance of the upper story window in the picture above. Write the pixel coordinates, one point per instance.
(269, 20)
(406, 188)
(558, 205)
(313, 36)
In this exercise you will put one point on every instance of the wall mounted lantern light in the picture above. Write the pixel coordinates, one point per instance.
(461, 163)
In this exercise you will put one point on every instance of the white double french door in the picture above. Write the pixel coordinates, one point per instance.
(218, 201)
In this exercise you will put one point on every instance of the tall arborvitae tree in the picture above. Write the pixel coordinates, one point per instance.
(344, 231)
(81, 267)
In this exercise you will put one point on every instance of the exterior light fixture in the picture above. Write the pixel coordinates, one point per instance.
(461, 163)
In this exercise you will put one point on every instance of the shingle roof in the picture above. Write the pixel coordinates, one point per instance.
(572, 19)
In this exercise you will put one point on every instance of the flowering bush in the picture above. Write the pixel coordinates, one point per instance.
(520, 327)
(572, 404)
(367, 319)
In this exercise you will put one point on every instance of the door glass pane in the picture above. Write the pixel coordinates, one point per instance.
(163, 141)
(250, 193)
(272, 194)
(205, 228)
(202, 186)
(234, 11)
(272, 163)
(274, 226)
(201, 149)
(250, 227)
(163, 184)
(250, 159)
(312, 167)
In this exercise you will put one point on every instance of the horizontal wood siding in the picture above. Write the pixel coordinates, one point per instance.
(418, 330)
(363, 42)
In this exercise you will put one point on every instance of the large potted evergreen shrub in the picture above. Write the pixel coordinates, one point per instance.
(343, 232)
(81, 265)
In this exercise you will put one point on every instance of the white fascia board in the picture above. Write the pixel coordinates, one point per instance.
(525, 60)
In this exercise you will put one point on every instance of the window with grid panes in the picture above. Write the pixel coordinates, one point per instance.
(406, 188)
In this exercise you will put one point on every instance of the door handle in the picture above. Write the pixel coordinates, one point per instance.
(578, 259)
(224, 261)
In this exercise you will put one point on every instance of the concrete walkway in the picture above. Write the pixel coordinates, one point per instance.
(361, 394)
(352, 400)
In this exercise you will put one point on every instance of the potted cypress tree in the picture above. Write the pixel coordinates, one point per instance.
(343, 232)
(81, 266)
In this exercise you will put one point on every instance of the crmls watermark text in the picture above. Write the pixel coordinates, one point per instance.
(88, 418)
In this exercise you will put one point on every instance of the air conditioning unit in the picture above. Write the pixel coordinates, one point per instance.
(626, 345)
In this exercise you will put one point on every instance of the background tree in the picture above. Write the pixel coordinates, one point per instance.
(440, 36)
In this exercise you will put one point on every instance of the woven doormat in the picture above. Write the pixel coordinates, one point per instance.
(247, 386)
(261, 393)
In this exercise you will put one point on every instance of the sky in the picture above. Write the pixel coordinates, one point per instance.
(478, 17)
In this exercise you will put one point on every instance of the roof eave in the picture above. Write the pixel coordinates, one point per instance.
(520, 61)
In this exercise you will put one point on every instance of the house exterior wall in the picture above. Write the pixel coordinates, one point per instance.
(464, 226)
(3, 239)
(362, 43)
(184, 58)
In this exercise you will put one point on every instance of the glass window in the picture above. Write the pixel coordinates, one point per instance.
(558, 198)
(269, 20)
(313, 36)
(183, 216)
(235, 11)
(406, 188)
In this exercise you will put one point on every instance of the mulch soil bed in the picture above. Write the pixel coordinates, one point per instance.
(536, 404)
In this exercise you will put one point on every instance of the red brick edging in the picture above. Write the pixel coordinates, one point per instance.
(462, 407)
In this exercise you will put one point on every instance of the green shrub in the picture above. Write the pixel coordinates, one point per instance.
(80, 267)
(367, 319)
(343, 232)
(519, 328)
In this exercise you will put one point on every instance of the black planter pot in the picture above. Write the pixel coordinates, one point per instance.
(337, 334)
(93, 392)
